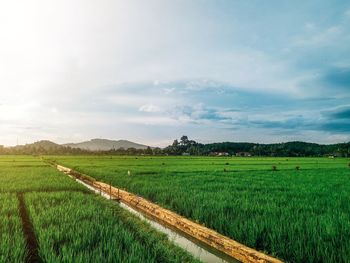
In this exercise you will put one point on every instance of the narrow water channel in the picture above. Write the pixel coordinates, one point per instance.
(201, 251)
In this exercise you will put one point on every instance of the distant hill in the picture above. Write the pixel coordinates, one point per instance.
(105, 145)
(43, 144)
(39, 147)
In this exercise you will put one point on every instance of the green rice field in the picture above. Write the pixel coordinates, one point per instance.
(24, 173)
(297, 209)
(45, 216)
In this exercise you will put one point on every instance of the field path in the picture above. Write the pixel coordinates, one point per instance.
(29, 234)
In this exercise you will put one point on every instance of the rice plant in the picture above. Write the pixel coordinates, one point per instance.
(76, 227)
(12, 242)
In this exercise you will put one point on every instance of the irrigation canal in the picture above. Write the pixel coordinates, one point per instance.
(200, 251)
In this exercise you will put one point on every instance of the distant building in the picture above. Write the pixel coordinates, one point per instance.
(243, 154)
(219, 154)
(186, 154)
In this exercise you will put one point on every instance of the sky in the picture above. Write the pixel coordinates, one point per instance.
(151, 71)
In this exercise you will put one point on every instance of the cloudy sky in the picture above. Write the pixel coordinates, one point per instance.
(151, 71)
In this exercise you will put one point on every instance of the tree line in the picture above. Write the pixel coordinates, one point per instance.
(185, 146)
(288, 149)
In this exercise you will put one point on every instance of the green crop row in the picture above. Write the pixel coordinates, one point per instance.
(77, 227)
(297, 215)
(12, 243)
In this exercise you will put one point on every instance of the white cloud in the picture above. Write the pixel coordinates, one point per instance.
(149, 108)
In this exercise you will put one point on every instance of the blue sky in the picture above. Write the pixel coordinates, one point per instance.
(258, 71)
